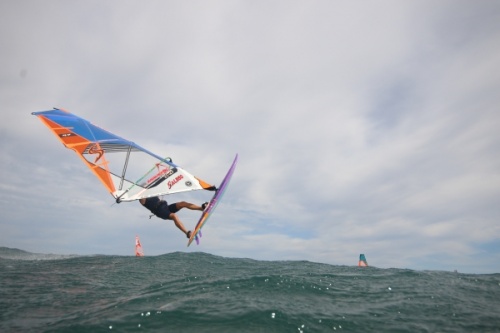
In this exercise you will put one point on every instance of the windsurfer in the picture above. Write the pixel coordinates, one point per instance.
(163, 210)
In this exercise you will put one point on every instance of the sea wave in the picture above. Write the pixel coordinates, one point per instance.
(200, 292)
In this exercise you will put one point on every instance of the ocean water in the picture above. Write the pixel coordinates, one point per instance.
(199, 292)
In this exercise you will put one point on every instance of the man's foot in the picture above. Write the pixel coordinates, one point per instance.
(188, 234)
(204, 205)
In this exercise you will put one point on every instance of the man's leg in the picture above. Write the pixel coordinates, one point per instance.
(178, 223)
(188, 205)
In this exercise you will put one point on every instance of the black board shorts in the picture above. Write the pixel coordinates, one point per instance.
(164, 210)
(160, 208)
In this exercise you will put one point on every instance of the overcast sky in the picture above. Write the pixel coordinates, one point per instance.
(362, 126)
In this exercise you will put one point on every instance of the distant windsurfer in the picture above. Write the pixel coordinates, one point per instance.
(163, 210)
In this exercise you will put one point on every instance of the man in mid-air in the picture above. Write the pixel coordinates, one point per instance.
(163, 210)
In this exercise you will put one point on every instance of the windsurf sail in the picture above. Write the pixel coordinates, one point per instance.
(128, 171)
(138, 248)
(362, 261)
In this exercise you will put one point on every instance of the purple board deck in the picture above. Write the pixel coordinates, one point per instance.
(196, 234)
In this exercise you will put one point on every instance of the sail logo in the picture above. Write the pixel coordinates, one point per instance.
(95, 149)
(174, 181)
(160, 174)
(158, 178)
